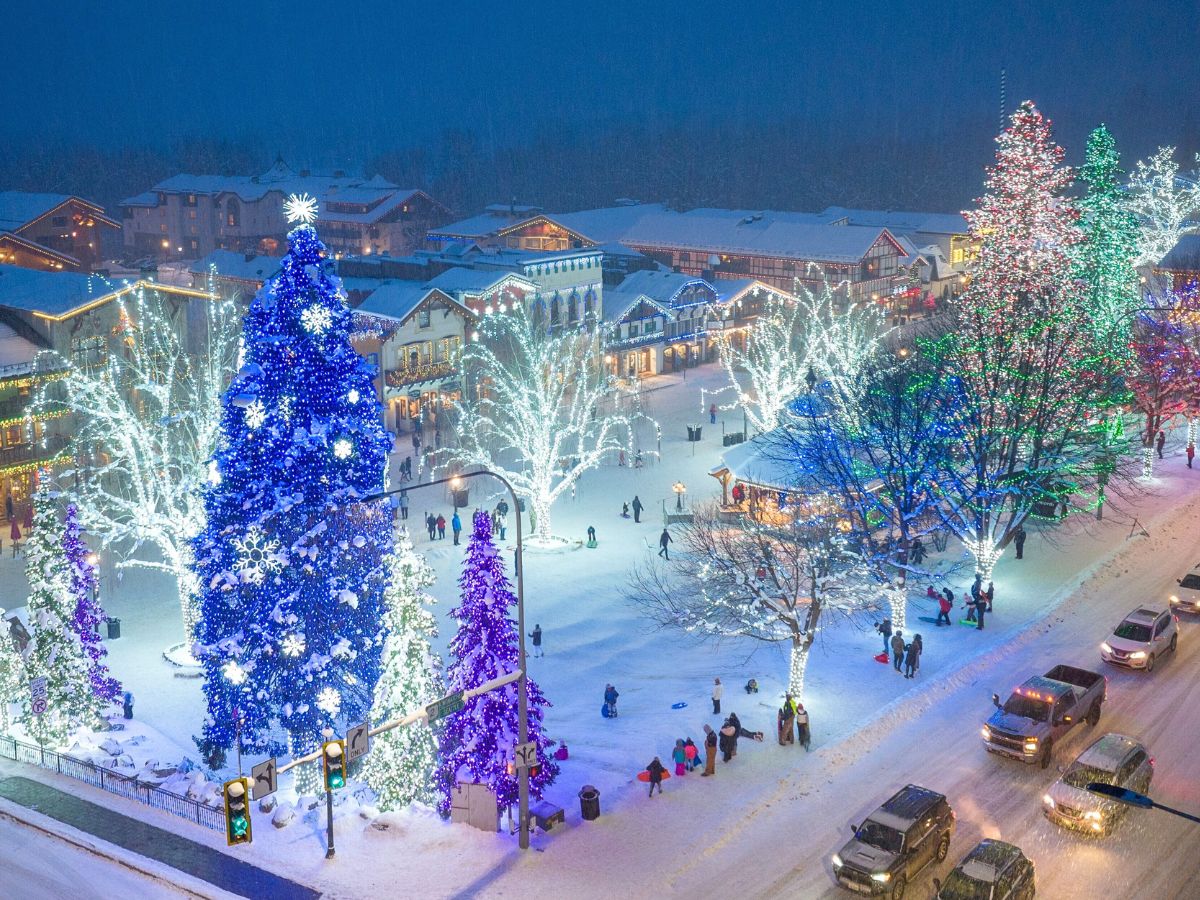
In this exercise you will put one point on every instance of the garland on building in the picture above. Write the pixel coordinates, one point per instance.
(291, 564)
(478, 742)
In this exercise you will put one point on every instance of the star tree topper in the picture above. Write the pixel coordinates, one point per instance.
(301, 208)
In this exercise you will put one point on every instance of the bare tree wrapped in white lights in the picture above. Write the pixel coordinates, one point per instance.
(1167, 206)
(145, 408)
(539, 408)
(768, 577)
(796, 342)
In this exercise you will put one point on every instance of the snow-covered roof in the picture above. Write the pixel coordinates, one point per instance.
(761, 462)
(659, 284)
(18, 208)
(1184, 256)
(480, 226)
(616, 303)
(730, 289)
(472, 281)
(782, 239)
(50, 292)
(17, 353)
(373, 195)
(608, 223)
(900, 220)
(237, 265)
(752, 215)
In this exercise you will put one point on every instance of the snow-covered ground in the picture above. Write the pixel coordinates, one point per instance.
(773, 804)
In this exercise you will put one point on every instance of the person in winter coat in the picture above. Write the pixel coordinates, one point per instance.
(441, 527)
(637, 508)
(802, 733)
(710, 752)
(785, 719)
(912, 653)
(591, 533)
(917, 552)
(989, 595)
(655, 770)
(885, 629)
(624, 510)
(977, 587)
(663, 540)
(1191, 454)
(944, 607)
(752, 686)
(679, 754)
(931, 593)
(728, 741)
(717, 692)
(693, 754)
(610, 700)
(404, 504)
(1162, 439)
(431, 526)
(742, 732)
(712, 414)
(456, 525)
(897, 649)
(1019, 541)
(980, 609)
(536, 635)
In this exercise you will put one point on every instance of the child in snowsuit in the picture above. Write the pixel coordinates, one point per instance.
(693, 754)
(944, 607)
(802, 733)
(680, 757)
(655, 770)
(610, 700)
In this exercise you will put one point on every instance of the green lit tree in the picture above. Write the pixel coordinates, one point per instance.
(400, 766)
(1104, 258)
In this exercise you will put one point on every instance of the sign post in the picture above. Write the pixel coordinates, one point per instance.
(38, 695)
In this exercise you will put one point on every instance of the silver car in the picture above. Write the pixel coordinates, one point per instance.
(1143, 636)
(1114, 759)
(1187, 597)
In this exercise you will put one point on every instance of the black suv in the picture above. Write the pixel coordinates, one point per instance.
(994, 870)
(896, 842)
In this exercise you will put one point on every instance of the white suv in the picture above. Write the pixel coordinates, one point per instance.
(1141, 638)
(1114, 759)
(1187, 598)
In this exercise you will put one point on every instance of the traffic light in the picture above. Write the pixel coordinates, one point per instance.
(333, 756)
(237, 813)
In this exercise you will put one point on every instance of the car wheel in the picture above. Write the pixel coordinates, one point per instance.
(898, 887)
(1174, 642)
(1093, 716)
(1044, 762)
(943, 848)
(1150, 663)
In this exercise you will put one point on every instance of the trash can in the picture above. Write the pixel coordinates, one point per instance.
(114, 628)
(462, 498)
(589, 802)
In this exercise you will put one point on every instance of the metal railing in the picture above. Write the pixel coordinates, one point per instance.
(113, 782)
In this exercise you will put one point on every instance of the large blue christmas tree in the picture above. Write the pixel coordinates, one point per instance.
(478, 741)
(291, 569)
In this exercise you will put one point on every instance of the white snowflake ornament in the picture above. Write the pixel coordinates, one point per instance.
(256, 414)
(316, 319)
(257, 556)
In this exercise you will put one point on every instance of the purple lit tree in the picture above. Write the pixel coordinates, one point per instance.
(84, 581)
(478, 741)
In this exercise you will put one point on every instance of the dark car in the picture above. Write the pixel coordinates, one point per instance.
(994, 870)
(906, 833)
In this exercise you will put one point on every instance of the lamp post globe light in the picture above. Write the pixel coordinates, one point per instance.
(680, 489)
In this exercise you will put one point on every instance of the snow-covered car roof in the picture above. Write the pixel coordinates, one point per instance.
(1109, 751)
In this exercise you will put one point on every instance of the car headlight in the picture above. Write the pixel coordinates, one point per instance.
(986, 732)
(837, 861)
(1174, 599)
(1048, 800)
(1031, 746)
(882, 877)
(1105, 647)
(1138, 654)
(1093, 815)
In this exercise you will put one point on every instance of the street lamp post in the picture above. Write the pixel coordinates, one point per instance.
(1133, 798)
(680, 489)
(522, 689)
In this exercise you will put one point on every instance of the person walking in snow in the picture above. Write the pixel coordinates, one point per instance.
(655, 770)
(885, 629)
(1019, 541)
(802, 733)
(717, 691)
(980, 609)
(710, 752)
(679, 754)
(610, 700)
(456, 526)
(989, 595)
(1191, 454)
(897, 649)
(693, 754)
(441, 527)
(1162, 439)
(911, 652)
(637, 508)
(536, 635)
(917, 552)
(431, 526)
(785, 719)
(591, 533)
(945, 606)
(663, 540)
(712, 414)
(404, 504)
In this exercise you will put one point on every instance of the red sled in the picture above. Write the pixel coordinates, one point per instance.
(644, 776)
(881, 658)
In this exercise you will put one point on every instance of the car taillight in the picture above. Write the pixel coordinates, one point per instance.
(1152, 762)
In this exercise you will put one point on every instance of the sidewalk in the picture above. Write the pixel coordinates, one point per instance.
(216, 868)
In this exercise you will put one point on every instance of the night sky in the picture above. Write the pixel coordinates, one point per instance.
(333, 82)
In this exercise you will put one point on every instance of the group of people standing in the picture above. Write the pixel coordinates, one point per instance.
(906, 654)
(436, 526)
(792, 715)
